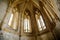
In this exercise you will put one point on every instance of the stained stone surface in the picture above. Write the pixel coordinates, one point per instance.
(47, 36)
(1, 37)
(27, 38)
(10, 36)
(58, 4)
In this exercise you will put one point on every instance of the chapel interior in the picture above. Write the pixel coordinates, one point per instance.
(29, 19)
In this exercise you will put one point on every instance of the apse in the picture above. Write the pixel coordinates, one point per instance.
(29, 19)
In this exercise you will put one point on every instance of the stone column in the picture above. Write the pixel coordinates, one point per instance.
(33, 23)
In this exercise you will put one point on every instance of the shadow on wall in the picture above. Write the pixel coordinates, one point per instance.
(57, 30)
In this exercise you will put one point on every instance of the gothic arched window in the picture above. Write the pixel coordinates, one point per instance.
(40, 22)
(27, 23)
(13, 21)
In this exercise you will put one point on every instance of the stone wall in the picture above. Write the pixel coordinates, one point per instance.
(3, 7)
(10, 36)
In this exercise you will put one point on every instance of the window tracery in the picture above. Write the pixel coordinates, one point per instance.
(40, 22)
(27, 23)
